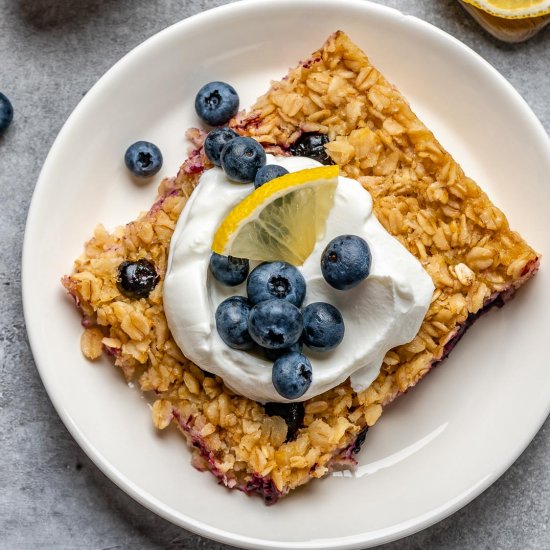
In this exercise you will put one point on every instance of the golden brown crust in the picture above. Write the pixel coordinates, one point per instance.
(421, 196)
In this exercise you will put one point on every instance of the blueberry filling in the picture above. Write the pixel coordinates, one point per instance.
(291, 413)
(137, 279)
(312, 145)
(359, 440)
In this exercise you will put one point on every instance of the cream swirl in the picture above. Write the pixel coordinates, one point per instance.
(384, 311)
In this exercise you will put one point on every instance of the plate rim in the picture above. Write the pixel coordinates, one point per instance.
(146, 499)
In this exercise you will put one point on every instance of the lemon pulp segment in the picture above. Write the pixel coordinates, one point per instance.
(282, 219)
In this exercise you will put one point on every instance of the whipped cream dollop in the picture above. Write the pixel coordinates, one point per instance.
(382, 312)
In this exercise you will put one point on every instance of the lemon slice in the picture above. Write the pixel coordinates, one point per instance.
(282, 219)
(513, 9)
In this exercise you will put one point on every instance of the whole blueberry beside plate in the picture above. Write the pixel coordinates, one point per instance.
(6, 113)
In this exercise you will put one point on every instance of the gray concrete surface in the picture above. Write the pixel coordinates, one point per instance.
(51, 495)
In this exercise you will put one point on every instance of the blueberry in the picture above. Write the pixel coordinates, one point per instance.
(359, 440)
(228, 270)
(232, 322)
(312, 145)
(346, 261)
(291, 375)
(6, 113)
(267, 173)
(292, 413)
(275, 324)
(273, 354)
(216, 103)
(143, 159)
(137, 279)
(323, 326)
(276, 280)
(241, 158)
(214, 142)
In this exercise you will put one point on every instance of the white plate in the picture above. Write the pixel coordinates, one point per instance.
(433, 450)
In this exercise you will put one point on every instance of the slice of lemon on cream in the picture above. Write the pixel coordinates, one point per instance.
(513, 9)
(282, 219)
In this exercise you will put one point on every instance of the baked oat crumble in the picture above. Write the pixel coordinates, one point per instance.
(421, 196)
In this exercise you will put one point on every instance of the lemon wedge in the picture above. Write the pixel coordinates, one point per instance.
(513, 9)
(282, 219)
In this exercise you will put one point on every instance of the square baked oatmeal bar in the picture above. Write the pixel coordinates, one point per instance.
(421, 196)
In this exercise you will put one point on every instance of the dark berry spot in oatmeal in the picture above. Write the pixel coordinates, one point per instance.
(137, 279)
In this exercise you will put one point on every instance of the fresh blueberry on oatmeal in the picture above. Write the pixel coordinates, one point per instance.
(137, 279)
(232, 322)
(323, 326)
(241, 158)
(228, 270)
(216, 102)
(143, 159)
(215, 142)
(346, 261)
(275, 324)
(291, 375)
(267, 173)
(276, 280)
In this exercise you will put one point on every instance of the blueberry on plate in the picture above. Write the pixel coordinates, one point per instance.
(241, 159)
(291, 375)
(276, 280)
(292, 413)
(275, 324)
(273, 354)
(215, 141)
(232, 322)
(6, 113)
(216, 103)
(229, 270)
(312, 145)
(267, 173)
(346, 261)
(137, 279)
(323, 326)
(143, 159)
